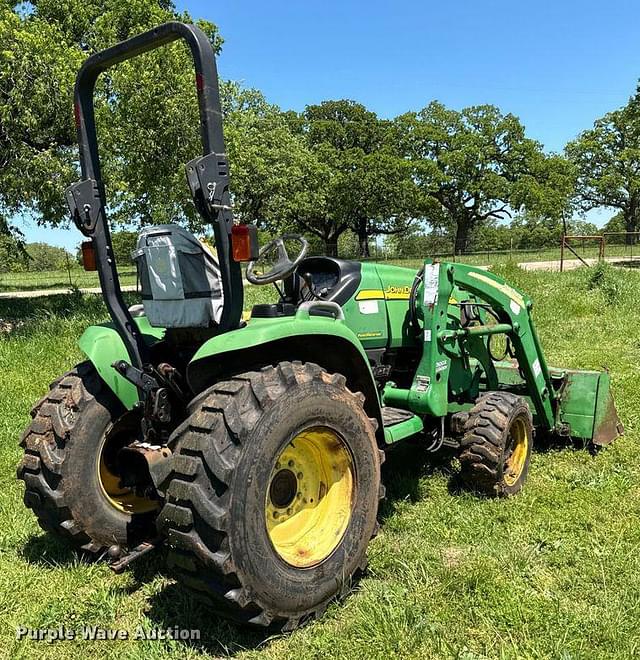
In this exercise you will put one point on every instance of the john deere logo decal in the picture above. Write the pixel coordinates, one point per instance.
(397, 292)
(390, 293)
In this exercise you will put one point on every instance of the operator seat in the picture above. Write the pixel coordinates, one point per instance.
(180, 278)
(332, 279)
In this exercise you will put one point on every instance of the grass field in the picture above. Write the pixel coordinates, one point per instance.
(59, 279)
(552, 573)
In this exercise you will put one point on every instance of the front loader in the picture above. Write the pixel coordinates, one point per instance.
(252, 447)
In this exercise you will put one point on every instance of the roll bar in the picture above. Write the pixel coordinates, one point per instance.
(208, 176)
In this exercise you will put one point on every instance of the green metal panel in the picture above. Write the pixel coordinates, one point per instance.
(396, 285)
(366, 312)
(261, 331)
(103, 346)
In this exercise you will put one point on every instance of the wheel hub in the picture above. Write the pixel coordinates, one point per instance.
(309, 497)
(283, 489)
(109, 470)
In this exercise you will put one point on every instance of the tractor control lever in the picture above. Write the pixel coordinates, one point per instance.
(308, 280)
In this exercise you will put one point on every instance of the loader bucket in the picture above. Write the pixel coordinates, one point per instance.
(587, 407)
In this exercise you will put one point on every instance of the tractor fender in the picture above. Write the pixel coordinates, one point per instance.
(325, 341)
(103, 346)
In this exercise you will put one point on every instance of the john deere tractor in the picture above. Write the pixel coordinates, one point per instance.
(251, 448)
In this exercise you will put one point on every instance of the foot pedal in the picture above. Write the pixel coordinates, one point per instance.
(393, 416)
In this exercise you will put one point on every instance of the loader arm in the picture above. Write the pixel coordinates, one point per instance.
(448, 344)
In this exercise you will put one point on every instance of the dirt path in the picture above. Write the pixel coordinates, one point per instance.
(55, 292)
(571, 264)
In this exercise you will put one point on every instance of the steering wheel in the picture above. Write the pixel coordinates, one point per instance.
(284, 266)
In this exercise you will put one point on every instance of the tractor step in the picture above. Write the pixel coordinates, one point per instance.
(393, 416)
(399, 424)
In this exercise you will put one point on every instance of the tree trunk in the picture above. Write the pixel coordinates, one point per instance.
(631, 222)
(363, 240)
(331, 246)
(463, 227)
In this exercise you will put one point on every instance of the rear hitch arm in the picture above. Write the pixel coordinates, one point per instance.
(123, 561)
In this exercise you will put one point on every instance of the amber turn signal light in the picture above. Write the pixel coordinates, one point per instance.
(244, 242)
(88, 256)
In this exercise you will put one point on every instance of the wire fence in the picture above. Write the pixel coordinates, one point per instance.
(65, 279)
(75, 277)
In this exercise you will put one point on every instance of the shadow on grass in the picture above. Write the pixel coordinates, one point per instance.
(408, 462)
(176, 606)
(405, 465)
(173, 607)
(47, 551)
(36, 286)
(626, 263)
(546, 442)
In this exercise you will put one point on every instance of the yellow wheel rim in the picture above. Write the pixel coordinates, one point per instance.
(514, 465)
(122, 499)
(309, 497)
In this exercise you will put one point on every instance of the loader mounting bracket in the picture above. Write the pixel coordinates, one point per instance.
(85, 204)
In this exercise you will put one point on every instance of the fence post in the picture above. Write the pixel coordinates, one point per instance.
(66, 255)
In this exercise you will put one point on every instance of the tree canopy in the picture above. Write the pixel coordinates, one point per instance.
(361, 181)
(146, 113)
(607, 161)
(477, 165)
(335, 171)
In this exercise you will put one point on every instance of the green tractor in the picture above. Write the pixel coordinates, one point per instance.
(252, 448)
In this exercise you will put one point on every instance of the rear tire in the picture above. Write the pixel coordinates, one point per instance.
(496, 447)
(236, 470)
(61, 466)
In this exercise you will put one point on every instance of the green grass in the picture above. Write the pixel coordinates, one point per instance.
(552, 573)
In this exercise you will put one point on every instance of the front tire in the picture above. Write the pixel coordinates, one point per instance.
(275, 494)
(68, 450)
(497, 444)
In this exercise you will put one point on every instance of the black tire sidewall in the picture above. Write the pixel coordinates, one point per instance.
(83, 492)
(280, 586)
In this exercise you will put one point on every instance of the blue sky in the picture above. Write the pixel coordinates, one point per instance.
(557, 65)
